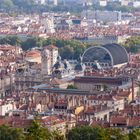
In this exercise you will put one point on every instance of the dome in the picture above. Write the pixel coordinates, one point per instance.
(79, 67)
(67, 65)
(109, 55)
(58, 58)
(33, 53)
(58, 65)
(33, 56)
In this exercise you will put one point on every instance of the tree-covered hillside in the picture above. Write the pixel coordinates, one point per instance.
(132, 44)
(29, 6)
(37, 132)
(68, 49)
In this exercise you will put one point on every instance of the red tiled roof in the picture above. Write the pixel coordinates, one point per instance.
(51, 47)
(106, 80)
(33, 53)
(119, 120)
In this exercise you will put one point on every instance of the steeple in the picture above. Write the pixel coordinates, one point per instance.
(80, 66)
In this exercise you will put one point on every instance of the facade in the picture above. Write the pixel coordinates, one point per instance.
(98, 112)
(104, 16)
(94, 83)
(106, 39)
(6, 106)
(77, 102)
(103, 2)
(42, 2)
(55, 2)
(114, 103)
(124, 2)
(127, 118)
(48, 23)
(6, 85)
(25, 81)
(136, 4)
(87, 2)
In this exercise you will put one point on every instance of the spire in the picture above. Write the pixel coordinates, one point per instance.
(80, 66)
(80, 58)
(59, 58)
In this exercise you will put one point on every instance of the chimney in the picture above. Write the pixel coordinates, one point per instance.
(132, 80)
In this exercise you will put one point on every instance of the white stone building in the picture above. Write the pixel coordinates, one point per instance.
(6, 106)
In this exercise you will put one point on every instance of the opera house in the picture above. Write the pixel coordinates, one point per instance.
(107, 56)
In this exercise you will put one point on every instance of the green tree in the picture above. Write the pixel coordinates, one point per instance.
(7, 133)
(134, 135)
(67, 52)
(132, 44)
(49, 41)
(23, 3)
(118, 7)
(116, 134)
(68, 49)
(31, 43)
(57, 135)
(12, 40)
(37, 132)
(29, 6)
(71, 87)
(87, 133)
(96, 133)
(6, 4)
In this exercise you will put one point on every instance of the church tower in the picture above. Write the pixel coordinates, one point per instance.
(49, 56)
(45, 62)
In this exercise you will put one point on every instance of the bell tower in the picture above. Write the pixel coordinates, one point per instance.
(45, 66)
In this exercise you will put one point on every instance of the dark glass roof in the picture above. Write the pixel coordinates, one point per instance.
(118, 53)
(105, 53)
